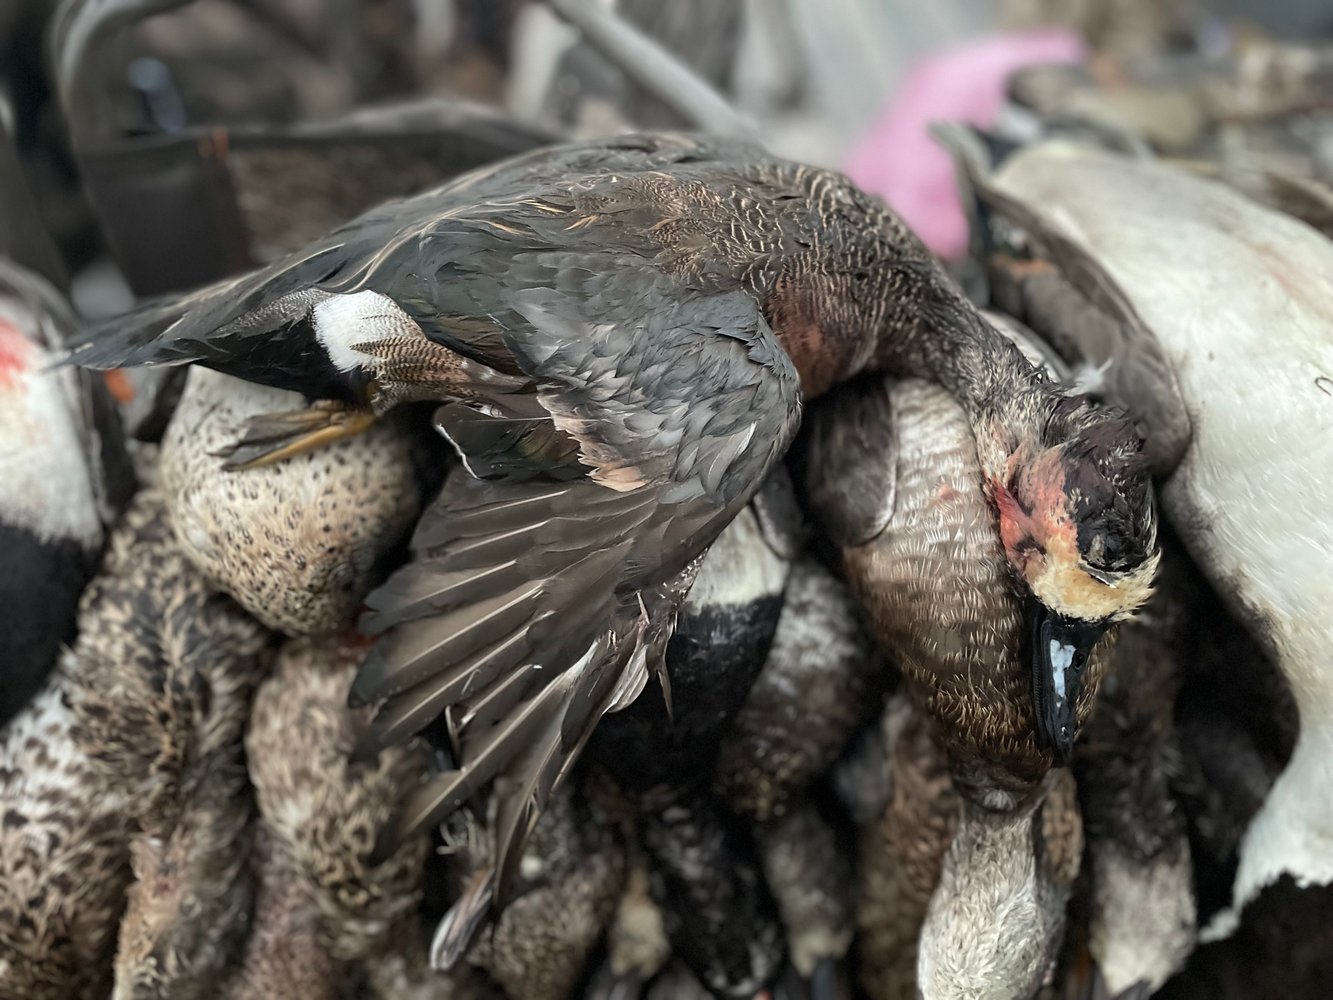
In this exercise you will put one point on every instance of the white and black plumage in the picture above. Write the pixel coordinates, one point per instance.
(608, 321)
(822, 682)
(63, 469)
(663, 749)
(129, 755)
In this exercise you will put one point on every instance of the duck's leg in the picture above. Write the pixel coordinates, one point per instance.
(272, 437)
(403, 369)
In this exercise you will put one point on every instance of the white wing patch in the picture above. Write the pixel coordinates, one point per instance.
(345, 322)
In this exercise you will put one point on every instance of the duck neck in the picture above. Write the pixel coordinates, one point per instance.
(938, 335)
(911, 320)
(944, 338)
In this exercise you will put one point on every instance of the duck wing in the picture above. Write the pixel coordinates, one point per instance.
(541, 596)
(641, 400)
(252, 326)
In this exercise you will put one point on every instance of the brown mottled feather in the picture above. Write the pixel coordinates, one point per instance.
(321, 904)
(902, 854)
(570, 879)
(134, 741)
(189, 906)
(1061, 828)
(297, 543)
(64, 863)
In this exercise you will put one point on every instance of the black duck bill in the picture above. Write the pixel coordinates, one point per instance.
(1058, 649)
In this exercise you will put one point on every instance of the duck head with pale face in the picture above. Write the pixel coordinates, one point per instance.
(1077, 519)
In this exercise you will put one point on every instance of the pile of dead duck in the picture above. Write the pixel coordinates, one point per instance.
(638, 568)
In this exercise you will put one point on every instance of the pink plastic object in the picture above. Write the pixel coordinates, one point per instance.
(898, 159)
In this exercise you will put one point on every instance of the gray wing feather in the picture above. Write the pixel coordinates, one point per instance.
(379, 249)
(531, 592)
(528, 599)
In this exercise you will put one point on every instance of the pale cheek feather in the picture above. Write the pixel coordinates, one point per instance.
(1060, 584)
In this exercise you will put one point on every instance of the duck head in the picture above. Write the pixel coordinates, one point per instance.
(1078, 523)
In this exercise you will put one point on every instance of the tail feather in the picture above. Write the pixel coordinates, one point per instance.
(459, 927)
(520, 623)
(491, 706)
(534, 776)
(144, 334)
(453, 643)
(422, 589)
(410, 711)
(179, 329)
(486, 754)
(498, 511)
(411, 707)
(518, 811)
(128, 340)
(416, 652)
(556, 533)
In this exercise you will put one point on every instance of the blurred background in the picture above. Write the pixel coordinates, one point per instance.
(823, 81)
